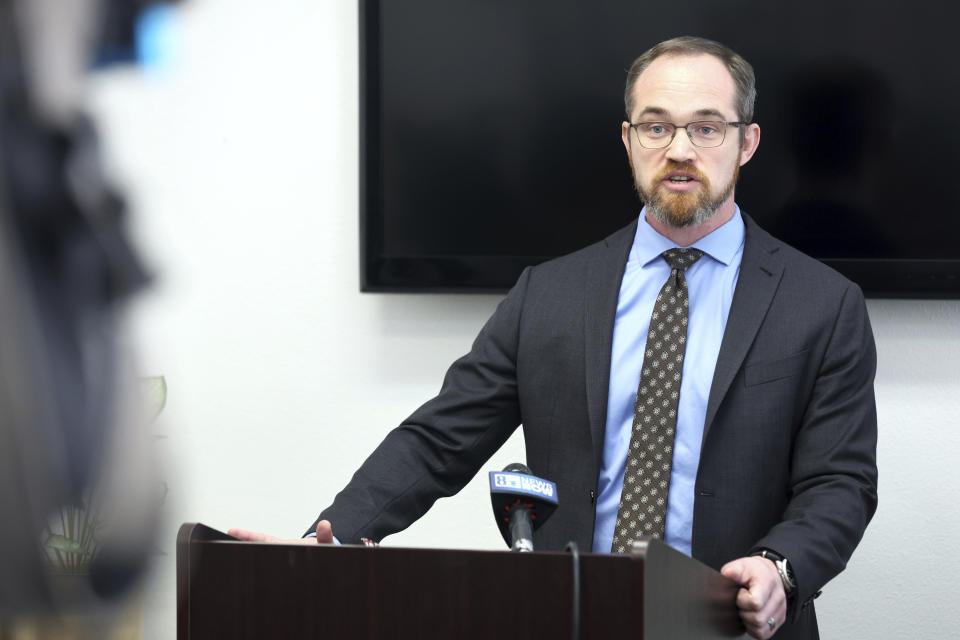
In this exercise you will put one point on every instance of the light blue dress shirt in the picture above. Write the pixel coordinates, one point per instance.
(710, 282)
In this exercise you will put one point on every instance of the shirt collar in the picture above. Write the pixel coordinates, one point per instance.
(721, 244)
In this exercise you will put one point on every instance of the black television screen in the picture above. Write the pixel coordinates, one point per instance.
(490, 134)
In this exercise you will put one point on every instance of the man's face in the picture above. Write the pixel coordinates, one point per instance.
(683, 184)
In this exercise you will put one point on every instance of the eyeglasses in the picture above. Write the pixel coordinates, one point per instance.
(702, 133)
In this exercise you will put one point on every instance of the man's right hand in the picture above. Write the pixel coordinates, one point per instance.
(324, 536)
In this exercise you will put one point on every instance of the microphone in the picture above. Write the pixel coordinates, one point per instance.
(521, 503)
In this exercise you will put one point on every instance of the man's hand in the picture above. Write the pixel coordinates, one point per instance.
(324, 536)
(761, 597)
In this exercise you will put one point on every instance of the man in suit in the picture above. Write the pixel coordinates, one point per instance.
(773, 475)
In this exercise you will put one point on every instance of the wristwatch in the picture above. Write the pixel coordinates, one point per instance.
(783, 568)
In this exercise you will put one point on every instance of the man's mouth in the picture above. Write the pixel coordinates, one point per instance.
(679, 182)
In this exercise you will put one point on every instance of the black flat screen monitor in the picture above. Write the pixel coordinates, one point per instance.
(490, 134)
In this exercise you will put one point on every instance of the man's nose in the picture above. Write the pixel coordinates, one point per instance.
(680, 148)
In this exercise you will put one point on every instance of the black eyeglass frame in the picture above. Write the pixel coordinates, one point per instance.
(677, 127)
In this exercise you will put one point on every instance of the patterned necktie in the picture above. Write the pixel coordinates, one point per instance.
(646, 480)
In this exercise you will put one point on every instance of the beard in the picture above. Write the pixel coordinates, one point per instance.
(679, 209)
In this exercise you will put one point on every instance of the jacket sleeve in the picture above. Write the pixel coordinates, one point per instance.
(833, 479)
(438, 449)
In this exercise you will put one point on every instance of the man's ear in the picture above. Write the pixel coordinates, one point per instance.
(751, 140)
(625, 135)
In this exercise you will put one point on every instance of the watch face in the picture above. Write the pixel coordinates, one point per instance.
(783, 568)
(785, 574)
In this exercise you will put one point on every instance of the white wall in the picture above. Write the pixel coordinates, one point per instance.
(241, 164)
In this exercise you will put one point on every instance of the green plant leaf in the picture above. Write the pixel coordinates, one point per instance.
(154, 390)
(64, 544)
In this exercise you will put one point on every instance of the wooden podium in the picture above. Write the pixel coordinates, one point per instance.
(232, 589)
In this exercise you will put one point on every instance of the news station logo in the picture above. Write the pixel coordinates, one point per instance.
(524, 483)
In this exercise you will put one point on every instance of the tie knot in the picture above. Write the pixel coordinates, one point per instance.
(681, 259)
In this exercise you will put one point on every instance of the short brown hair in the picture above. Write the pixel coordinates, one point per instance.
(739, 69)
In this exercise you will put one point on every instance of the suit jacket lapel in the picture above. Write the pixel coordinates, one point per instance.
(604, 275)
(760, 272)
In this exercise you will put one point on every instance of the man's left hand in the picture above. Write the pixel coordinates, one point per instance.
(761, 597)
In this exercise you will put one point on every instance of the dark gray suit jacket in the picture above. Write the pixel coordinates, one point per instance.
(789, 445)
